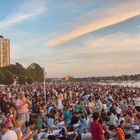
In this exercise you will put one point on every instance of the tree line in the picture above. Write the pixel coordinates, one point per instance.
(135, 77)
(121, 78)
(16, 72)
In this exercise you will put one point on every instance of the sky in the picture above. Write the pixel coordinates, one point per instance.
(79, 38)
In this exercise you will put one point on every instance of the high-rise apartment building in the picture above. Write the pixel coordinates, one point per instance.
(4, 52)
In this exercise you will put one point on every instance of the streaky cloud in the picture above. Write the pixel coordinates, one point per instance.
(26, 10)
(108, 17)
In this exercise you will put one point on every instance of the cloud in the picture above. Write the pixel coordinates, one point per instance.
(121, 65)
(117, 43)
(25, 11)
(107, 17)
(15, 50)
(26, 61)
(113, 54)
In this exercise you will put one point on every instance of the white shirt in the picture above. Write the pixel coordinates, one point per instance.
(49, 109)
(9, 135)
(104, 107)
(113, 120)
(118, 110)
(137, 101)
(99, 105)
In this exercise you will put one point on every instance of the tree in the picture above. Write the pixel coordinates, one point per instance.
(33, 73)
(1, 77)
(8, 77)
(17, 69)
(29, 80)
(21, 80)
(36, 72)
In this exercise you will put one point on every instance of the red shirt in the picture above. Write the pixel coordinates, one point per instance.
(96, 131)
(120, 134)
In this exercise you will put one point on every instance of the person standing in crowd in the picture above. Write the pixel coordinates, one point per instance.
(59, 101)
(96, 128)
(22, 105)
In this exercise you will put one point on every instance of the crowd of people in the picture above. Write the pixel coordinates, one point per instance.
(69, 111)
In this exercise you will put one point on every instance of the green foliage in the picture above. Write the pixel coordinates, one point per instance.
(33, 73)
(21, 80)
(17, 69)
(29, 80)
(36, 72)
(1, 77)
(8, 77)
